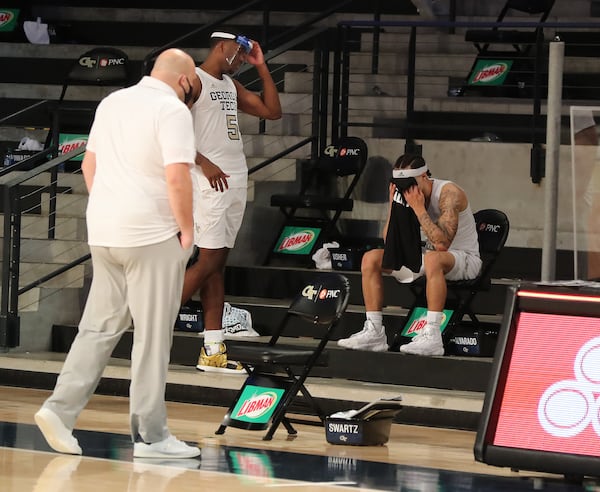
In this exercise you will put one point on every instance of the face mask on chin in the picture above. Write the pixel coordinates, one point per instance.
(188, 94)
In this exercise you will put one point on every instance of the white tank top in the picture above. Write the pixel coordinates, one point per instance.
(466, 234)
(217, 131)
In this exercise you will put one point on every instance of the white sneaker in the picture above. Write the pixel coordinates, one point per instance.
(171, 447)
(429, 342)
(367, 339)
(165, 467)
(56, 433)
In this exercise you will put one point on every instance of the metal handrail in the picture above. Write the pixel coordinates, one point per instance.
(281, 154)
(22, 111)
(9, 298)
(54, 274)
(45, 167)
(40, 156)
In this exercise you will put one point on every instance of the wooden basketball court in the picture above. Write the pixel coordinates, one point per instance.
(415, 458)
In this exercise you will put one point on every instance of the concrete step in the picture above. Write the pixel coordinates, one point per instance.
(197, 16)
(67, 204)
(58, 51)
(31, 272)
(269, 145)
(51, 251)
(445, 64)
(365, 84)
(28, 301)
(299, 124)
(427, 406)
(280, 170)
(53, 92)
(396, 39)
(74, 181)
(65, 228)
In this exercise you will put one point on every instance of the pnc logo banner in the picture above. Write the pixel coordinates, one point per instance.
(345, 152)
(111, 62)
(330, 151)
(490, 72)
(88, 62)
(257, 404)
(8, 19)
(418, 320)
(295, 240)
(495, 228)
(319, 293)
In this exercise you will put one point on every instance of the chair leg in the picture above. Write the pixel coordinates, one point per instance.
(313, 403)
(275, 424)
(279, 414)
(288, 426)
(395, 345)
(223, 426)
(269, 435)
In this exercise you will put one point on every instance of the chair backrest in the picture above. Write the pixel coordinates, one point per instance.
(512, 36)
(348, 156)
(532, 7)
(492, 231)
(99, 66)
(323, 299)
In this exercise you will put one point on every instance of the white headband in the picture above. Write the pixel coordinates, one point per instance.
(409, 173)
(223, 35)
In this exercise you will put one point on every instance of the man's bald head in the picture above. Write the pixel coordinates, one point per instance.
(174, 60)
(177, 69)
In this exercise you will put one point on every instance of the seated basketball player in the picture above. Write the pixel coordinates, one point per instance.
(441, 212)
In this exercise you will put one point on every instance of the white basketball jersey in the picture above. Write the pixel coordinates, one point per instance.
(466, 234)
(218, 136)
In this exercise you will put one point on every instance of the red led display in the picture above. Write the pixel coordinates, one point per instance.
(551, 395)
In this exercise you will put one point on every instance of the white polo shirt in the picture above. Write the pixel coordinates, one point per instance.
(136, 133)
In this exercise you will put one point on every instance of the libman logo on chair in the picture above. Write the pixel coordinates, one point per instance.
(68, 142)
(8, 19)
(418, 320)
(256, 404)
(490, 72)
(297, 240)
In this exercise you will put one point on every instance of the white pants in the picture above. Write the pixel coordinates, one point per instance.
(143, 285)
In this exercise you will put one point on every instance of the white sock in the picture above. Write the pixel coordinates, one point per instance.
(213, 336)
(434, 320)
(376, 317)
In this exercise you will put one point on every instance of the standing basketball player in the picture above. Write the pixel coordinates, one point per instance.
(221, 177)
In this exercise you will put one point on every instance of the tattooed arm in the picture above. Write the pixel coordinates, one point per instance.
(441, 233)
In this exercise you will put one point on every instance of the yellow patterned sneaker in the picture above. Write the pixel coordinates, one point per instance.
(218, 362)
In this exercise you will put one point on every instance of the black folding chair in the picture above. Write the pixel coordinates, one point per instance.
(277, 372)
(318, 203)
(102, 66)
(492, 231)
(515, 66)
(521, 39)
